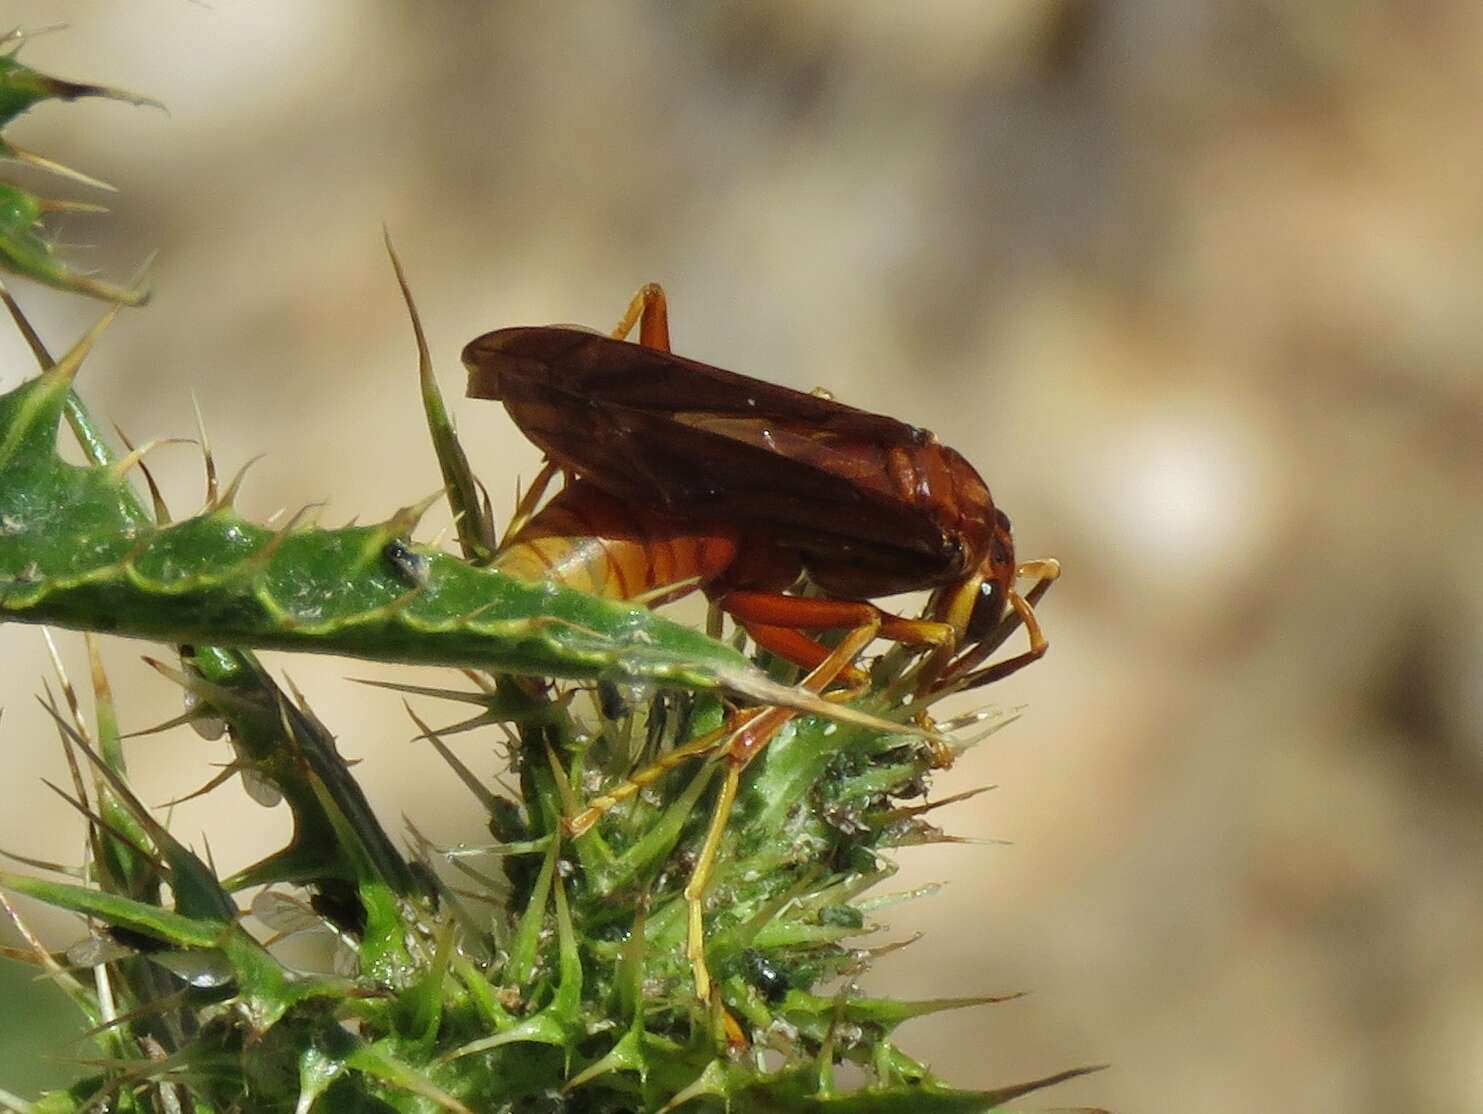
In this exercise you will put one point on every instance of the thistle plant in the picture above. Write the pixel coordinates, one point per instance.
(537, 971)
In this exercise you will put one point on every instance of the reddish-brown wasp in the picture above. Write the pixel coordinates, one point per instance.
(682, 476)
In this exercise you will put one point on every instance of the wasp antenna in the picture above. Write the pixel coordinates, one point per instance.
(206, 455)
(228, 497)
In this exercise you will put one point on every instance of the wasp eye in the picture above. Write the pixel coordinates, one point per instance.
(986, 611)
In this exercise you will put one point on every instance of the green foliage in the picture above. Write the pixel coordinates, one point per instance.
(539, 972)
(24, 247)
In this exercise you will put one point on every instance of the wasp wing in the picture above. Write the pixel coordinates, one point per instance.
(650, 426)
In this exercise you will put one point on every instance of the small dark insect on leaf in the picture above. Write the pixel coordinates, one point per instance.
(611, 700)
(339, 905)
(410, 566)
(771, 983)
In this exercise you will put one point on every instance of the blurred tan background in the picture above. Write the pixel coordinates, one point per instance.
(1195, 284)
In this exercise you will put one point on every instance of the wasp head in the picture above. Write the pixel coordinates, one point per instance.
(998, 571)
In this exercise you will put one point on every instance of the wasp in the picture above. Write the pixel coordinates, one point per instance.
(680, 476)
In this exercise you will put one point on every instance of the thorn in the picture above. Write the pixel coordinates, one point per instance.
(19, 35)
(405, 520)
(234, 487)
(402, 602)
(886, 949)
(904, 811)
(41, 162)
(68, 692)
(161, 510)
(66, 734)
(679, 587)
(42, 864)
(490, 541)
(224, 699)
(229, 770)
(65, 370)
(264, 553)
(43, 957)
(102, 688)
(424, 357)
(488, 686)
(98, 821)
(62, 205)
(174, 721)
(205, 452)
(422, 690)
(481, 792)
(308, 712)
(33, 339)
(135, 456)
(468, 617)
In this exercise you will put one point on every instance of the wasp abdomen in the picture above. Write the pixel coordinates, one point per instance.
(587, 539)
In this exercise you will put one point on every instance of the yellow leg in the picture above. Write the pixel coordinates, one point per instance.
(700, 879)
(743, 744)
(649, 310)
(699, 747)
(962, 674)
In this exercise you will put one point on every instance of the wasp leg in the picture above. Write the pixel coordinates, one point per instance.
(649, 310)
(775, 621)
(962, 674)
(698, 747)
(742, 745)
(793, 645)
